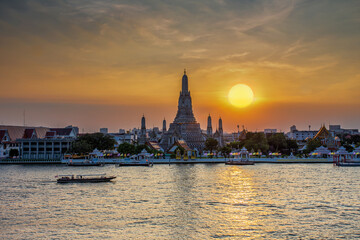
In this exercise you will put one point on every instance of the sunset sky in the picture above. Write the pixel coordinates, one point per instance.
(106, 63)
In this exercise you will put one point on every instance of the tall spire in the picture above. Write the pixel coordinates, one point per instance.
(185, 88)
(220, 126)
(185, 113)
(142, 138)
(209, 127)
(143, 126)
(164, 125)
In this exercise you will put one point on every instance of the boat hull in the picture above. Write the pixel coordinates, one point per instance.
(85, 180)
(348, 164)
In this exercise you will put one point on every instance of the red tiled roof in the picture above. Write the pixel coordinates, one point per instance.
(28, 133)
(323, 133)
(41, 131)
(154, 145)
(2, 134)
(17, 132)
(183, 144)
(50, 134)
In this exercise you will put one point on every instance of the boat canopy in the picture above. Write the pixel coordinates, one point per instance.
(87, 175)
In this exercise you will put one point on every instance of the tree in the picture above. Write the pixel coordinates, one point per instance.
(226, 150)
(99, 141)
(88, 142)
(311, 145)
(349, 148)
(13, 152)
(126, 148)
(139, 148)
(81, 147)
(255, 141)
(292, 146)
(211, 144)
(277, 142)
(236, 145)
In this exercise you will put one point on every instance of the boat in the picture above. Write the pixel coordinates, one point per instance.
(89, 178)
(243, 159)
(342, 158)
(141, 159)
(348, 164)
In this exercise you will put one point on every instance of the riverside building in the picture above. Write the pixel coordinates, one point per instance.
(55, 143)
(302, 135)
(10, 134)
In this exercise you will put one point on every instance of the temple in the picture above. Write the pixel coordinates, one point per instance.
(184, 126)
(327, 138)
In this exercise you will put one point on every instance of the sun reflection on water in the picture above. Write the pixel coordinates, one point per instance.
(238, 192)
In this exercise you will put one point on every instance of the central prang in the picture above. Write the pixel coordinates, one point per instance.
(184, 126)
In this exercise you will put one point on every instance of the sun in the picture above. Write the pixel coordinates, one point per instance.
(241, 95)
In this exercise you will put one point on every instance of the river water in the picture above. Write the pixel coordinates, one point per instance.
(203, 201)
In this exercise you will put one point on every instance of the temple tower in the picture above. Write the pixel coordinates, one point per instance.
(184, 126)
(164, 126)
(185, 113)
(220, 127)
(209, 127)
(142, 139)
(221, 133)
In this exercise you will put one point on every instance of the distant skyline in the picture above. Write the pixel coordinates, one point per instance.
(97, 64)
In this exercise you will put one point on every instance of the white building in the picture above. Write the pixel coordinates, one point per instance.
(9, 135)
(55, 143)
(269, 131)
(6, 144)
(104, 130)
(297, 135)
(124, 137)
(336, 129)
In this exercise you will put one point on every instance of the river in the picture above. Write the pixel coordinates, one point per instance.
(201, 201)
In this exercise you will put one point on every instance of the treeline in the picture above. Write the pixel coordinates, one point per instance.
(349, 141)
(127, 148)
(257, 142)
(88, 142)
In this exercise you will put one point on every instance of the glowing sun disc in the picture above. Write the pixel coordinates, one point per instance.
(241, 95)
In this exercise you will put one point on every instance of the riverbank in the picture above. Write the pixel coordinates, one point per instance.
(178, 161)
